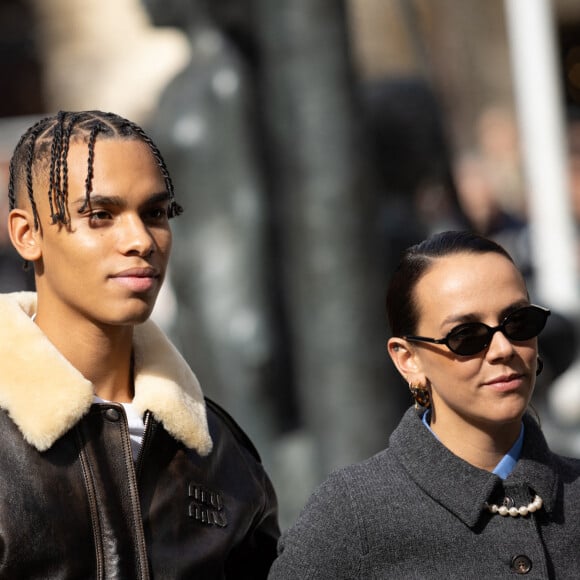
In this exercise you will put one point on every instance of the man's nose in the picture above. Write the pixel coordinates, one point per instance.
(136, 237)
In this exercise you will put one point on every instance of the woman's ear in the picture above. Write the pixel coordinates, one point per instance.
(405, 359)
(23, 235)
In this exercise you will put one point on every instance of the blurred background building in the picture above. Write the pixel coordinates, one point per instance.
(310, 142)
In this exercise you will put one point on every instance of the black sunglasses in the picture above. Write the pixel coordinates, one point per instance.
(473, 337)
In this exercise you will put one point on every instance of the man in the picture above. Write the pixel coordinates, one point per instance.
(112, 465)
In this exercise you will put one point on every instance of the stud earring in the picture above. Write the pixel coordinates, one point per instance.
(540, 366)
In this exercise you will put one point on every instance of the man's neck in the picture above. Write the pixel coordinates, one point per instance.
(102, 355)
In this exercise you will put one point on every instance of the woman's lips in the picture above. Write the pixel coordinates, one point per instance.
(506, 382)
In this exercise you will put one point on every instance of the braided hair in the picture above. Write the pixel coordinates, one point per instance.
(52, 135)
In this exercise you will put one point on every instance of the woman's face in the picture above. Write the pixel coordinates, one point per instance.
(494, 386)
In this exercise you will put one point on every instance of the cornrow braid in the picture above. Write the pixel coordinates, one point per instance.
(63, 207)
(54, 183)
(174, 208)
(29, 160)
(52, 136)
(27, 135)
(90, 165)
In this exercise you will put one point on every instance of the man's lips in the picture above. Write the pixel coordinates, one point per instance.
(137, 279)
(146, 272)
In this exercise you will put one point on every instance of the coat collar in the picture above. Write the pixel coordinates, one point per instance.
(429, 463)
(45, 395)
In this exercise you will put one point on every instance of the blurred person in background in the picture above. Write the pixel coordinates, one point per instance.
(480, 196)
(113, 465)
(468, 487)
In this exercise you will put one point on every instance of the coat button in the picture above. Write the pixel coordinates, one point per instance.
(508, 502)
(112, 414)
(521, 564)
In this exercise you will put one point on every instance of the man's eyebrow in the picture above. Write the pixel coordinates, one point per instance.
(97, 199)
(162, 196)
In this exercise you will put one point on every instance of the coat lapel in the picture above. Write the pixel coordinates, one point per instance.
(458, 486)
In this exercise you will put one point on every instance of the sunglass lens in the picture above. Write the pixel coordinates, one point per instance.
(468, 339)
(525, 323)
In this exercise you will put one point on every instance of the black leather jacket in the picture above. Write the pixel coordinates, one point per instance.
(75, 505)
(83, 509)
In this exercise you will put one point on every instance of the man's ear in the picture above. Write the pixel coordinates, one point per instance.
(405, 359)
(25, 238)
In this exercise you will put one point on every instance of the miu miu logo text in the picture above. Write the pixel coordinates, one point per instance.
(206, 506)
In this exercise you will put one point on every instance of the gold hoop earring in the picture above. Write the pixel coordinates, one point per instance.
(420, 395)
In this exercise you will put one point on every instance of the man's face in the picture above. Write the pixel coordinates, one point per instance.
(108, 265)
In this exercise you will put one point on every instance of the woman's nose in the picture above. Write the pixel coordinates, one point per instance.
(500, 345)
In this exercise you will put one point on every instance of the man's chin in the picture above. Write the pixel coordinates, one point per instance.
(132, 316)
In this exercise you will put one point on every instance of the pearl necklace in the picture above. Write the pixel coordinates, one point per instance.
(524, 510)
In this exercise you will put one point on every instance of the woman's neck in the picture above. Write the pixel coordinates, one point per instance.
(481, 445)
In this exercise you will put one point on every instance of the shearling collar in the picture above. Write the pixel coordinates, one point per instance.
(45, 395)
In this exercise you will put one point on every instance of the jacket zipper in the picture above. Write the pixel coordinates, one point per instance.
(147, 436)
(134, 494)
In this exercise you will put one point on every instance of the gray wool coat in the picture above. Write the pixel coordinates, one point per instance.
(415, 510)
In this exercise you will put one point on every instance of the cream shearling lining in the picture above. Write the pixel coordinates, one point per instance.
(46, 396)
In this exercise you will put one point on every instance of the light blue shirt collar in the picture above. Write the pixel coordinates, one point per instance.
(508, 461)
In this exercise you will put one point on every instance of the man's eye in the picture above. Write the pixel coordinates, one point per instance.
(99, 215)
(157, 213)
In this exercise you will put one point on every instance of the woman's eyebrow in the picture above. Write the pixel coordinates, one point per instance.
(519, 304)
(474, 317)
(460, 318)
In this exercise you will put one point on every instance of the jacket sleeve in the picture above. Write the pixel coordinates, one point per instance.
(253, 555)
(326, 541)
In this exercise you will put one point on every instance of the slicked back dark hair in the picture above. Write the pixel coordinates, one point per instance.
(402, 310)
(44, 148)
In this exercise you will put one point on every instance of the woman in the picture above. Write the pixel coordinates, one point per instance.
(467, 487)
